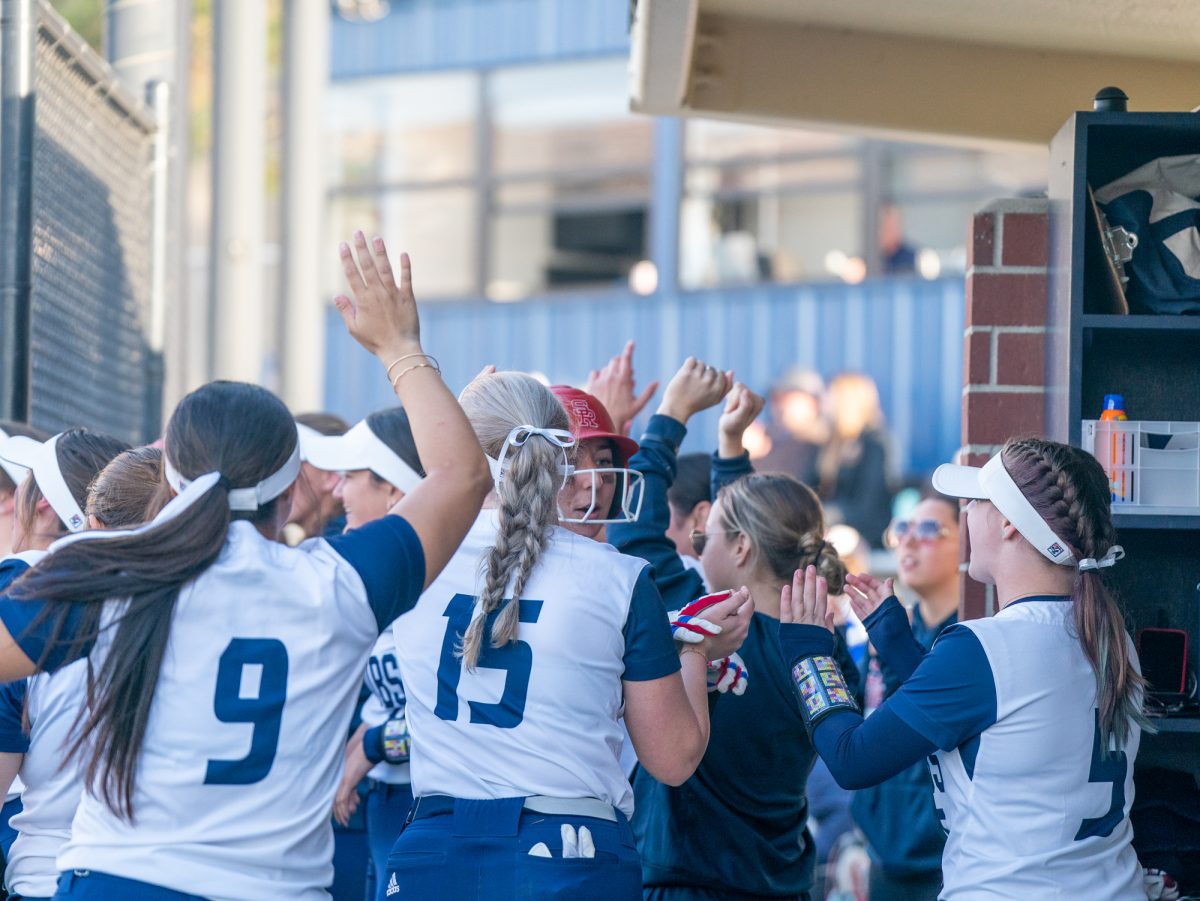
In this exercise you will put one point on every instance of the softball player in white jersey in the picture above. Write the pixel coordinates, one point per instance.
(517, 663)
(1031, 719)
(225, 680)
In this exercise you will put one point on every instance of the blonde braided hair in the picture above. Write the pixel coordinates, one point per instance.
(496, 404)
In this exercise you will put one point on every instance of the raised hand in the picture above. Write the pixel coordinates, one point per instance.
(382, 317)
(695, 387)
(806, 600)
(742, 407)
(615, 387)
(866, 593)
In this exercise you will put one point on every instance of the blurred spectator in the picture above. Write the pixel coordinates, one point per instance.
(853, 465)
(793, 440)
(690, 499)
(898, 818)
(898, 257)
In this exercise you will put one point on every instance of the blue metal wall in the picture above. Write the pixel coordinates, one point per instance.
(906, 334)
(420, 35)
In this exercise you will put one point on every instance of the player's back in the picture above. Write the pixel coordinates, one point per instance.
(1034, 809)
(537, 717)
(242, 751)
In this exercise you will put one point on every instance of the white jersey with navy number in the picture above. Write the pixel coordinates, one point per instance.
(538, 716)
(243, 750)
(1032, 807)
(385, 701)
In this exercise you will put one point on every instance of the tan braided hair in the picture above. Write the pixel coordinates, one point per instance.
(1070, 491)
(496, 404)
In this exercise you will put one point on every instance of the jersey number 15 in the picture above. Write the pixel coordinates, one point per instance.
(515, 659)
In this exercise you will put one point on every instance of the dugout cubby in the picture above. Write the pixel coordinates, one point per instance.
(1097, 347)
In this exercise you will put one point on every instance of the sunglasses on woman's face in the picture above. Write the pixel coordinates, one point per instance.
(924, 530)
(700, 541)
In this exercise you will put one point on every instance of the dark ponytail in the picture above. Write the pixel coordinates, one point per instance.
(1070, 491)
(245, 433)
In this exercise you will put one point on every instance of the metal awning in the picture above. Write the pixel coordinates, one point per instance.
(1007, 71)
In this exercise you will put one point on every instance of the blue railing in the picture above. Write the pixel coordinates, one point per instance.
(905, 333)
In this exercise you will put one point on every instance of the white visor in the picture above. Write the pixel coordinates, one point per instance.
(42, 459)
(15, 472)
(993, 483)
(245, 499)
(359, 448)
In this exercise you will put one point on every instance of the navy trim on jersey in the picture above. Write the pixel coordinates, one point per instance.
(969, 752)
(649, 648)
(850, 747)
(891, 634)
(387, 555)
(952, 695)
(1053, 598)
(10, 570)
(18, 617)
(13, 739)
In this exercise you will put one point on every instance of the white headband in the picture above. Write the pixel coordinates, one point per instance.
(15, 471)
(195, 490)
(359, 448)
(993, 483)
(560, 438)
(246, 499)
(42, 458)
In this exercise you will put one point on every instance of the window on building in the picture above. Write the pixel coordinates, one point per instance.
(766, 204)
(570, 179)
(401, 158)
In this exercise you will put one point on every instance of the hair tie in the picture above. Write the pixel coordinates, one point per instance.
(560, 438)
(224, 483)
(1111, 556)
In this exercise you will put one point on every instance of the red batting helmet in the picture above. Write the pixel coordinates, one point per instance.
(589, 419)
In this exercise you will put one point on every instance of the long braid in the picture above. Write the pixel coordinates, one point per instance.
(1070, 491)
(527, 511)
(528, 496)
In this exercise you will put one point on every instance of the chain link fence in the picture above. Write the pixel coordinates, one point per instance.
(92, 244)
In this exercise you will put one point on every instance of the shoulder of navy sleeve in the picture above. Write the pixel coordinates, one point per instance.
(649, 648)
(13, 739)
(33, 632)
(388, 557)
(951, 696)
(11, 569)
(666, 429)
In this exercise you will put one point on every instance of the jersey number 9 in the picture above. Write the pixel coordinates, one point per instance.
(515, 658)
(238, 701)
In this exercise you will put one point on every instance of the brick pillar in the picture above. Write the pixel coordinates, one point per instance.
(1004, 353)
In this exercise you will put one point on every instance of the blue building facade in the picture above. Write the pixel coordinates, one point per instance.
(548, 225)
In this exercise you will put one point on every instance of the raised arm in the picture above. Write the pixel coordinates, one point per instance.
(694, 388)
(731, 460)
(383, 318)
(949, 698)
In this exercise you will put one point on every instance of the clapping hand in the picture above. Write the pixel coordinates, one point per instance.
(866, 593)
(806, 600)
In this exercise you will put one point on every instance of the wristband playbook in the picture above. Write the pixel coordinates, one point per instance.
(822, 688)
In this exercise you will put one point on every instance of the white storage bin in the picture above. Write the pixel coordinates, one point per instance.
(1153, 467)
